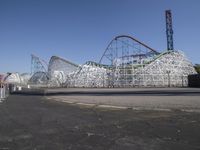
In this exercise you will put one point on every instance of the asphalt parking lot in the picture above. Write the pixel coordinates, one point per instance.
(36, 123)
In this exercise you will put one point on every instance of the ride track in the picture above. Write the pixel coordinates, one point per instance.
(126, 62)
(129, 37)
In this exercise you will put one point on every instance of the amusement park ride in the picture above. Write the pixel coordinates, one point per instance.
(126, 62)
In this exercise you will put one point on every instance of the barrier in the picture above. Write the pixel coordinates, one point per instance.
(4, 88)
(194, 80)
(3, 91)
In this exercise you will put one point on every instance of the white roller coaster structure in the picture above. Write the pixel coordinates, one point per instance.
(126, 62)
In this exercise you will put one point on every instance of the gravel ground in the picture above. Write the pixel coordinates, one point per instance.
(37, 123)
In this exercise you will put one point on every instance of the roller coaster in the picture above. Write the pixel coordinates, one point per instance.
(126, 62)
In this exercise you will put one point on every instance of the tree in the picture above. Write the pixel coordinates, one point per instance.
(197, 68)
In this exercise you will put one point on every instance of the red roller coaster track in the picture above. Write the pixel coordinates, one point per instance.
(130, 37)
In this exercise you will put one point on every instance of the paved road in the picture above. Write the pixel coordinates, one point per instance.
(35, 123)
(186, 99)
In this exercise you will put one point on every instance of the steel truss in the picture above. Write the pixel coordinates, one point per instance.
(38, 65)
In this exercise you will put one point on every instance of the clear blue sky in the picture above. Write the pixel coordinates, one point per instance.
(79, 30)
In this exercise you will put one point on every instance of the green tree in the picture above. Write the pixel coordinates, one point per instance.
(197, 68)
